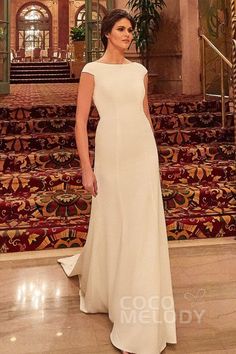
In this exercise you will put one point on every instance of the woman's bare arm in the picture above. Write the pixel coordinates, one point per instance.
(145, 101)
(84, 99)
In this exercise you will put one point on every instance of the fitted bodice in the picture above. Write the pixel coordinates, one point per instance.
(118, 88)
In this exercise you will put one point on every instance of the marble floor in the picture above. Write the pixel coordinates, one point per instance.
(39, 305)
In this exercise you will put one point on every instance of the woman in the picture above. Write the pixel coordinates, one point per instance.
(124, 266)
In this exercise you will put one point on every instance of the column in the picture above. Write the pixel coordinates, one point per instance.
(191, 60)
(63, 23)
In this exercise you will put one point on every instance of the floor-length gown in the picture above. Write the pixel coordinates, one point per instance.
(124, 266)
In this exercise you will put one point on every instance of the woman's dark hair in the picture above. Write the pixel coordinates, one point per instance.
(110, 19)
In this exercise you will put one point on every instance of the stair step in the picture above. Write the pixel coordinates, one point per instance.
(197, 153)
(34, 142)
(42, 80)
(185, 106)
(181, 226)
(61, 203)
(41, 180)
(39, 141)
(191, 120)
(26, 73)
(194, 136)
(40, 160)
(214, 171)
(197, 201)
(198, 198)
(39, 75)
(166, 108)
(34, 126)
(39, 112)
(40, 63)
(39, 67)
(58, 124)
(43, 69)
(43, 174)
(19, 235)
(171, 158)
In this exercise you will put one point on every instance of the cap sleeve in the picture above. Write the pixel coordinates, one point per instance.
(88, 68)
(144, 69)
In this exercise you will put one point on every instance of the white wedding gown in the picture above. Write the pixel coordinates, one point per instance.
(124, 266)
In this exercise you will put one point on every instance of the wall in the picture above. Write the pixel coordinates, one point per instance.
(63, 21)
(190, 46)
(166, 57)
(175, 55)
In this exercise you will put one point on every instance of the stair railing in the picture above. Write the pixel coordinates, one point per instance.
(223, 60)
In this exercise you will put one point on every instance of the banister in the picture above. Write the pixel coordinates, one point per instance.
(223, 60)
(217, 50)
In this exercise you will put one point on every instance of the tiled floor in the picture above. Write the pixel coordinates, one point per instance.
(39, 305)
(37, 94)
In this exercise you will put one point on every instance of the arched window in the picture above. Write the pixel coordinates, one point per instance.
(33, 27)
(98, 12)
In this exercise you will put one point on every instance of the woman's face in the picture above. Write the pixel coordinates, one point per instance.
(121, 34)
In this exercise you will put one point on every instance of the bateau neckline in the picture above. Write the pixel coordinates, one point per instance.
(99, 62)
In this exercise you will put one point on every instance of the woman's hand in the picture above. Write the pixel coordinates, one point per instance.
(89, 181)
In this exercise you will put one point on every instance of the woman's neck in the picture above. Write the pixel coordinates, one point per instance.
(114, 56)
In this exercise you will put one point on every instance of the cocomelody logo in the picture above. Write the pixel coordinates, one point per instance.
(156, 309)
(139, 309)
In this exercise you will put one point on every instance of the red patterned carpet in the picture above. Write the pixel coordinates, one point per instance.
(47, 94)
(22, 95)
(43, 204)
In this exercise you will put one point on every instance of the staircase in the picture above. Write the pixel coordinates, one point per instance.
(43, 203)
(40, 72)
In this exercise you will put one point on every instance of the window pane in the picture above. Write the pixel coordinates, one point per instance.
(3, 37)
(2, 10)
(1, 67)
(97, 16)
(34, 26)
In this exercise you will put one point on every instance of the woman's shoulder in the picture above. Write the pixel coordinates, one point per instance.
(141, 67)
(88, 68)
(91, 67)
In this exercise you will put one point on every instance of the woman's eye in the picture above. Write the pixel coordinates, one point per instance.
(122, 29)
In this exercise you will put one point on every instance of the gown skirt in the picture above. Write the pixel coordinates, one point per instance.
(124, 267)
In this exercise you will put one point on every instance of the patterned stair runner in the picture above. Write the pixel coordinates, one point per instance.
(42, 200)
